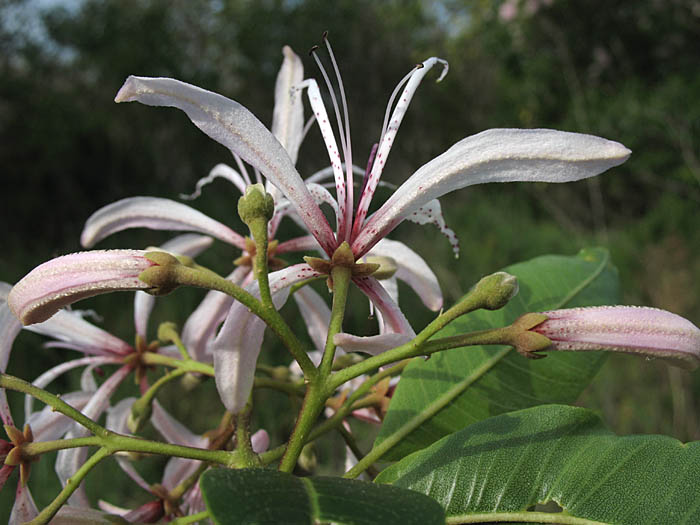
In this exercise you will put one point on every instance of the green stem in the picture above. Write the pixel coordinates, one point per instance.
(36, 448)
(258, 229)
(71, 485)
(352, 445)
(414, 422)
(341, 283)
(314, 402)
(186, 365)
(187, 520)
(19, 385)
(167, 332)
(244, 447)
(418, 346)
(205, 278)
(282, 386)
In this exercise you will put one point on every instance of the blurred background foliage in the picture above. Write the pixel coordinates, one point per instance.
(623, 69)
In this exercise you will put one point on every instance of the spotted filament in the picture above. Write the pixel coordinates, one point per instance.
(344, 225)
(389, 131)
(348, 141)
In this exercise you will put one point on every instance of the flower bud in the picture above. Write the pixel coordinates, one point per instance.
(496, 289)
(70, 278)
(632, 329)
(256, 204)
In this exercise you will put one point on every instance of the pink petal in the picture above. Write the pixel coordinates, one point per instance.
(496, 155)
(47, 424)
(156, 214)
(70, 278)
(634, 329)
(9, 328)
(232, 125)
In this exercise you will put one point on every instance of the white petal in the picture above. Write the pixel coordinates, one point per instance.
(413, 270)
(201, 325)
(237, 346)
(288, 114)
(48, 424)
(315, 313)
(24, 509)
(220, 170)
(58, 370)
(70, 327)
(9, 328)
(173, 431)
(431, 213)
(373, 344)
(68, 461)
(154, 213)
(496, 155)
(232, 125)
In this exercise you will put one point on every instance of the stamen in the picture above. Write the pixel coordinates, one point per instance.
(348, 150)
(242, 169)
(390, 105)
(368, 169)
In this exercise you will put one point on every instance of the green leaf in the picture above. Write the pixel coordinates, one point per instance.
(458, 387)
(260, 496)
(497, 469)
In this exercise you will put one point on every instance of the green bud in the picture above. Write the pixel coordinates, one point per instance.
(166, 331)
(140, 414)
(256, 204)
(163, 275)
(496, 290)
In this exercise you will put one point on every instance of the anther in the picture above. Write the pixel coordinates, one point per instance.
(313, 50)
(325, 35)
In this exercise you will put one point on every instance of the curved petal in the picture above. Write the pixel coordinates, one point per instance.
(70, 278)
(496, 155)
(413, 270)
(24, 509)
(9, 328)
(48, 424)
(431, 213)
(220, 170)
(201, 325)
(173, 431)
(156, 214)
(299, 244)
(68, 461)
(71, 327)
(395, 330)
(232, 125)
(58, 370)
(315, 313)
(237, 346)
(288, 114)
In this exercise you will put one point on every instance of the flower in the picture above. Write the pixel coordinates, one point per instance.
(499, 155)
(631, 329)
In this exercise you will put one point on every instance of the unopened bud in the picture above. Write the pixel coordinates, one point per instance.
(496, 289)
(256, 204)
(140, 414)
(631, 329)
(387, 266)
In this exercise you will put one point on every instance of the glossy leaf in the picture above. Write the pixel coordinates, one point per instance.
(264, 496)
(506, 468)
(458, 387)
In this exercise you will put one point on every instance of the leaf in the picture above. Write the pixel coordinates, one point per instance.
(461, 386)
(497, 469)
(267, 496)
